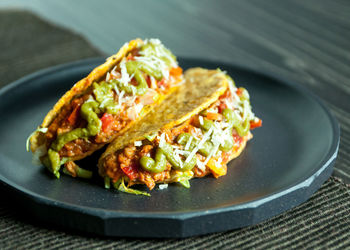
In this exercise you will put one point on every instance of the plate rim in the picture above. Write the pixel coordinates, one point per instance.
(104, 214)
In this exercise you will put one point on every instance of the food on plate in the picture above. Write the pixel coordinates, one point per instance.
(194, 132)
(103, 105)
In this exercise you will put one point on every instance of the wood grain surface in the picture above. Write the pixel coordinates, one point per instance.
(303, 41)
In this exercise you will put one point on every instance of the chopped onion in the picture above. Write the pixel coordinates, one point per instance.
(134, 111)
(148, 97)
(40, 151)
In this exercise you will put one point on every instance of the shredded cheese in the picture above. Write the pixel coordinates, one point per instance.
(90, 99)
(162, 140)
(114, 72)
(212, 152)
(177, 157)
(200, 120)
(231, 86)
(125, 77)
(105, 101)
(153, 83)
(188, 144)
(167, 136)
(236, 97)
(200, 164)
(229, 104)
(182, 152)
(163, 186)
(138, 108)
(108, 77)
(200, 144)
(120, 97)
(154, 41)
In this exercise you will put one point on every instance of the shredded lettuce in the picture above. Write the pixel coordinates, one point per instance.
(117, 183)
(65, 171)
(121, 187)
(183, 178)
(64, 160)
(185, 183)
(107, 182)
(42, 130)
(83, 173)
(80, 172)
(151, 136)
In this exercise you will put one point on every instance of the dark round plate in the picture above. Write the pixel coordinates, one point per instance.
(285, 163)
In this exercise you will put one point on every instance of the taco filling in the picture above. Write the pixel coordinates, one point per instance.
(201, 145)
(93, 118)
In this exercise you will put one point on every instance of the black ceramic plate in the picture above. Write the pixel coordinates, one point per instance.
(285, 163)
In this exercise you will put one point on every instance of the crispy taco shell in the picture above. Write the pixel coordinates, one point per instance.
(202, 95)
(202, 87)
(85, 86)
(79, 88)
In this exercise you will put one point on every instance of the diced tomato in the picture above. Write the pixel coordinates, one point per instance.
(131, 171)
(221, 107)
(73, 117)
(162, 83)
(176, 71)
(134, 82)
(239, 91)
(148, 80)
(107, 122)
(237, 139)
(214, 116)
(130, 57)
(255, 124)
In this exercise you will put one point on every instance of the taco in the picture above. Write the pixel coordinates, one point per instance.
(194, 132)
(103, 105)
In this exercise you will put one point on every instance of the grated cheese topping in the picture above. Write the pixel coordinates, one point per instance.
(162, 140)
(200, 120)
(188, 144)
(138, 107)
(163, 186)
(125, 77)
(200, 164)
(232, 87)
(200, 144)
(108, 76)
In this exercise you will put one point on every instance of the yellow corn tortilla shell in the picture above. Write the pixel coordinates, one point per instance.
(83, 86)
(202, 87)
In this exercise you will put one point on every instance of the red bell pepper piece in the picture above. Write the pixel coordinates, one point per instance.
(176, 71)
(73, 117)
(255, 124)
(107, 122)
(131, 171)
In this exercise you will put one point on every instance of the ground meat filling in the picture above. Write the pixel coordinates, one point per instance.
(125, 162)
(69, 117)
